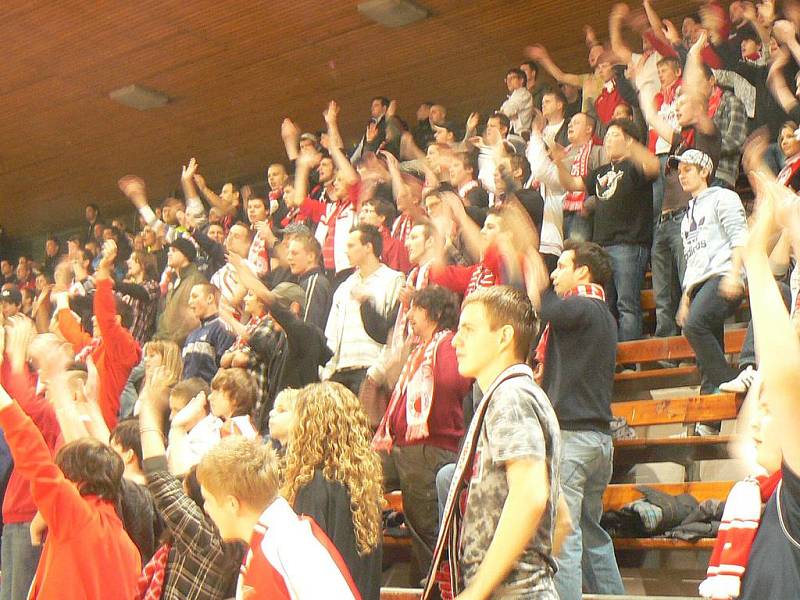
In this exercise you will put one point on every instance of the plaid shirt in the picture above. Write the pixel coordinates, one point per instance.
(731, 120)
(267, 346)
(144, 311)
(200, 566)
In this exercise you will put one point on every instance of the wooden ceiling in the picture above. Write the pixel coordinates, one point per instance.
(233, 69)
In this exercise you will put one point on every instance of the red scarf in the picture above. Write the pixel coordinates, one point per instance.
(417, 279)
(738, 529)
(789, 169)
(580, 168)
(416, 385)
(589, 290)
(607, 101)
(330, 235)
(402, 226)
(151, 581)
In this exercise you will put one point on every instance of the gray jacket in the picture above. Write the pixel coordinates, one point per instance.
(712, 227)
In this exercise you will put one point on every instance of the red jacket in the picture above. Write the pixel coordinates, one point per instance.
(394, 255)
(87, 554)
(116, 354)
(18, 506)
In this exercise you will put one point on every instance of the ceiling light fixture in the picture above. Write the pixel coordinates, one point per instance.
(138, 97)
(392, 13)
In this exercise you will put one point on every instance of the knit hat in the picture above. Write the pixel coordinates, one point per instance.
(11, 295)
(288, 293)
(186, 248)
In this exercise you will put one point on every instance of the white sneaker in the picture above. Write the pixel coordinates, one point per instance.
(742, 382)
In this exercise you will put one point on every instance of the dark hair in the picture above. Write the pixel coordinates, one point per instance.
(593, 257)
(519, 73)
(124, 311)
(519, 161)
(558, 94)
(383, 209)
(189, 388)
(532, 65)
(173, 202)
(148, 263)
(506, 305)
(504, 120)
(442, 305)
(627, 127)
(93, 467)
(369, 234)
(240, 387)
(126, 435)
(383, 100)
(467, 159)
(262, 200)
(94, 207)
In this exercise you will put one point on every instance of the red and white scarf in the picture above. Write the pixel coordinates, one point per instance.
(417, 279)
(151, 582)
(402, 226)
(738, 529)
(416, 387)
(580, 168)
(482, 276)
(588, 290)
(714, 102)
(789, 169)
(330, 236)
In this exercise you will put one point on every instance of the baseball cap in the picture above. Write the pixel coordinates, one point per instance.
(11, 295)
(287, 293)
(692, 157)
(186, 248)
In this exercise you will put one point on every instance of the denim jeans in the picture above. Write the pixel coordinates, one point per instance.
(130, 393)
(443, 480)
(576, 226)
(668, 266)
(658, 187)
(623, 294)
(704, 328)
(19, 559)
(747, 357)
(586, 560)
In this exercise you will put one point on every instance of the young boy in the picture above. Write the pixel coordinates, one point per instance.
(509, 462)
(289, 555)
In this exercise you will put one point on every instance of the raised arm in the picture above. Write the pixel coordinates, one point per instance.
(343, 165)
(134, 189)
(777, 81)
(540, 55)
(618, 45)
(645, 159)
(291, 138)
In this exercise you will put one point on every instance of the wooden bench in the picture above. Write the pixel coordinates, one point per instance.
(620, 495)
(655, 349)
(400, 593)
(684, 411)
(397, 544)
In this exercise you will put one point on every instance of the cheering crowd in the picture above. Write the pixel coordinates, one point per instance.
(214, 404)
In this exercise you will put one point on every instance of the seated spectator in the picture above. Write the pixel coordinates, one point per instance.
(192, 560)
(205, 420)
(333, 476)
(714, 230)
(76, 495)
(156, 353)
(111, 347)
(205, 345)
(288, 556)
(182, 393)
(423, 425)
(518, 107)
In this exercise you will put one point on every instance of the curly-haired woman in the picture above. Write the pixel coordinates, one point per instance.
(333, 475)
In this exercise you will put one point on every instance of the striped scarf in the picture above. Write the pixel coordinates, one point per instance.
(151, 582)
(481, 277)
(589, 290)
(450, 532)
(416, 385)
(417, 279)
(738, 529)
(580, 168)
(329, 221)
(402, 226)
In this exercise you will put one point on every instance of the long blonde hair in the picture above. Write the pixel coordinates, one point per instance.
(332, 433)
(170, 358)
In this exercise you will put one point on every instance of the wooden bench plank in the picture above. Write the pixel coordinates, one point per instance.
(694, 409)
(660, 543)
(618, 495)
(671, 348)
(400, 593)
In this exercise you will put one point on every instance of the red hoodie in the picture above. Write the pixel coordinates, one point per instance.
(115, 355)
(18, 506)
(87, 554)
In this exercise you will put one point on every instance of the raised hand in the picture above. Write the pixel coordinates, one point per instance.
(784, 31)
(331, 114)
(109, 253)
(391, 111)
(200, 181)
(391, 159)
(472, 121)
(537, 52)
(289, 130)
(372, 131)
(766, 13)
(20, 333)
(191, 414)
(620, 11)
(671, 32)
(188, 171)
(131, 186)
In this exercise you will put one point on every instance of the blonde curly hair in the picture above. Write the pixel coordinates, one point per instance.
(332, 433)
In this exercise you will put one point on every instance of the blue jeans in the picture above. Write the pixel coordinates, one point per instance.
(576, 226)
(668, 265)
(586, 560)
(747, 357)
(19, 559)
(623, 294)
(658, 187)
(443, 480)
(130, 393)
(705, 330)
